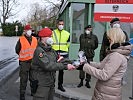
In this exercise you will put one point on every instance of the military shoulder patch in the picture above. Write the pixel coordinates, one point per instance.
(41, 55)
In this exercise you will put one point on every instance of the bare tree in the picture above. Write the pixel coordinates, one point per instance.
(55, 5)
(43, 16)
(7, 9)
(36, 15)
(52, 15)
(53, 10)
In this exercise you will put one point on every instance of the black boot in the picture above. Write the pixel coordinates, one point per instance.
(60, 87)
(87, 85)
(80, 84)
(22, 97)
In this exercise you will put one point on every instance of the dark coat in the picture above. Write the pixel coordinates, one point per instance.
(88, 43)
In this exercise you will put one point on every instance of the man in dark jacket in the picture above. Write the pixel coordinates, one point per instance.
(45, 63)
(88, 43)
(115, 22)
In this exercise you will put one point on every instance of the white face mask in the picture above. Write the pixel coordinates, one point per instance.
(49, 41)
(116, 25)
(87, 32)
(60, 27)
(29, 32)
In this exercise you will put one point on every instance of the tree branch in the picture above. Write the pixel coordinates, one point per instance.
(52, 3)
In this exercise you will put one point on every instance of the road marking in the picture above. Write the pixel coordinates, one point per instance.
(18, 80)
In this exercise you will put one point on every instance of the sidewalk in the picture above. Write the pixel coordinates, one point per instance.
(71, 80)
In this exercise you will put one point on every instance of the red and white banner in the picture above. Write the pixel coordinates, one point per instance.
(114, 1)
(105, 10)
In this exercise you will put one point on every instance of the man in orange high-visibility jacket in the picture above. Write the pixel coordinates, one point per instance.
(25, 48)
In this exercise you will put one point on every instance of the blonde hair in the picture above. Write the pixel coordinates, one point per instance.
(116, 35)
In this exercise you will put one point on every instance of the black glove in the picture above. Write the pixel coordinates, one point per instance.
(80, 67)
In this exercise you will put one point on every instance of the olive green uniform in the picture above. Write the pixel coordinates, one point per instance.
(88, 43)
(44, 66)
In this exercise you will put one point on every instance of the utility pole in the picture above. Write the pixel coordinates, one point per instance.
(16, 29)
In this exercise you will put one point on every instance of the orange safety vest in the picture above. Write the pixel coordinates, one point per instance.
(27, 49)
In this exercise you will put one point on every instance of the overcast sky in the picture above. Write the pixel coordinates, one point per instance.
(24, 8)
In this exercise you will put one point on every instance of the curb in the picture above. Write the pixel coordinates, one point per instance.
(66, 96)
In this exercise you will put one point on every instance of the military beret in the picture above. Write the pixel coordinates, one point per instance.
(27, 27)
(45, 32)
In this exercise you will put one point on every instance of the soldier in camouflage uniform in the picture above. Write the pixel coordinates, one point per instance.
(45, 63)
(114, 23)
(88, 43)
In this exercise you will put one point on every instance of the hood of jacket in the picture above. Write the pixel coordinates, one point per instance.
(124, 50)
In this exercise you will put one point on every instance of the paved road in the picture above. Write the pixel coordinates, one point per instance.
(7, 47)
(8, 57)
(9, 83)
(10, 90)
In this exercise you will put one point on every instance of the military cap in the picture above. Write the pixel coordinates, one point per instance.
(114, 19)
(88, 26)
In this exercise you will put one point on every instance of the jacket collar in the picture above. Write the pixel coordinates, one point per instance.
(124, 50)
(45, 48)
(88, 35)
